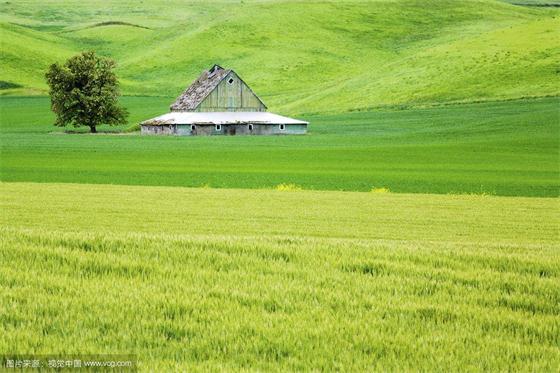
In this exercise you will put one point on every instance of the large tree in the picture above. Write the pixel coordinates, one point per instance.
(84, 92)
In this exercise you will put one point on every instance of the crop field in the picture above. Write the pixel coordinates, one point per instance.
(210, 279)
(502, 148)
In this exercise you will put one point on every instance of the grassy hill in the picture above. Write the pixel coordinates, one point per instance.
(301, 57)
(540, 3)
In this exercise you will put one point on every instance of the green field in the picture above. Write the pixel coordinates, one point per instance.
(209, 279)
(503, 148)
(300, 57)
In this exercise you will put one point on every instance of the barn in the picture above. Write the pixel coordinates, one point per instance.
(219, 102)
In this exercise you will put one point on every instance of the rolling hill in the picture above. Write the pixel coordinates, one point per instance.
(302, 57)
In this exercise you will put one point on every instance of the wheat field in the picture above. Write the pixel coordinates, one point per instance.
(281, 280)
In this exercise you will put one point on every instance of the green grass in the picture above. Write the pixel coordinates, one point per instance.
(502, 148)
(208, 279)
(535, 2)
(300, 57)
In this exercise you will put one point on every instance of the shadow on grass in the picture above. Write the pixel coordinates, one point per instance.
(100, 131)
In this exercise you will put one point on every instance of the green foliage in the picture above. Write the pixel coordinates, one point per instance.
(300, 57)
(274, 281)
(501, 148)
(84, 92)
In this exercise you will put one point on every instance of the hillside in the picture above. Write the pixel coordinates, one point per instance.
(300, 57)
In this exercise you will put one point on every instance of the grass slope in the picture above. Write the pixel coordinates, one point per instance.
(301, 57)
(206, 279)
(549, 3)
(507, 148)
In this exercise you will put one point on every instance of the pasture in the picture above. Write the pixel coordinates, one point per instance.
(269, 280)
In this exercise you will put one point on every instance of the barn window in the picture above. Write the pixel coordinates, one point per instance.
(282, 127)
(218, 127)
(250, 127)
(193, 127)
(230, 81)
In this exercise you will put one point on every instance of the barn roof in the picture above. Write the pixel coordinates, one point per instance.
(200, 88)
(213, 118)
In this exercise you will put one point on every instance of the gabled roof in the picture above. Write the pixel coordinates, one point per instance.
(200, 88)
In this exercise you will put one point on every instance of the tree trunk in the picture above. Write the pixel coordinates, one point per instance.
(93, 129)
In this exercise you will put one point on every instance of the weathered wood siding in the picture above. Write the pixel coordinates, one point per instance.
(234, 96)
(242, 129)
(170, 129)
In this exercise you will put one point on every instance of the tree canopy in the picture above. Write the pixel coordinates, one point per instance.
(85, 91)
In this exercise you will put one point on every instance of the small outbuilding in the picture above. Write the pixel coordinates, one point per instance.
(219, 102)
